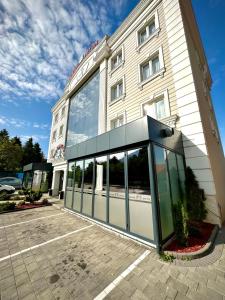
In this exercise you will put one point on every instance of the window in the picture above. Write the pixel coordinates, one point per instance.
(56, 118)
(117, 122)
(157, 108)
(117, 60)
(145, 33)
(150, 68)
(63, 112)
(117, 91)
(60, 130)
(54, 135)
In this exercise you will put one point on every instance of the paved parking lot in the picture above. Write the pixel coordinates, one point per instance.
(47, 253)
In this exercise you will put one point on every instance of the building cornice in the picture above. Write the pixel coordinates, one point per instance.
(59, 102)
(134, 14)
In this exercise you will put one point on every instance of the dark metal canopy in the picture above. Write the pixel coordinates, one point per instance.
(136, 132)
(38, 166)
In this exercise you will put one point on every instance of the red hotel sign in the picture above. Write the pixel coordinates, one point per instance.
(83, 57)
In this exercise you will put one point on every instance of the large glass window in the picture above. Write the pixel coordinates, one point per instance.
(78, 185)
(117, 207)
(83, 113)
(88, 187)
(100, 193)
(174, 178)
(69, 185)
(140, 208)
(163, 186)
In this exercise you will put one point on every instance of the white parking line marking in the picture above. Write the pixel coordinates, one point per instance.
(30, 221)
(45, 243)
(115, 282)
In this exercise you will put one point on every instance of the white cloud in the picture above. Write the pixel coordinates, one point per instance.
(36, 137)
(41, 41)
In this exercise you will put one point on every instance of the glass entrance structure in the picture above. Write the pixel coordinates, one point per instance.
(129, 178)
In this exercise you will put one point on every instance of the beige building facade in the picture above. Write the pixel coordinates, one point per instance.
(155, 65)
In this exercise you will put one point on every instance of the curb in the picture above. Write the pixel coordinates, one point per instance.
(200, 253)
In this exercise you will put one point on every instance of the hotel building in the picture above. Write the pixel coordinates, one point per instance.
(137, 110)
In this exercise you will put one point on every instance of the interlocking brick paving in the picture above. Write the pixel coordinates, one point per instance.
(82, 265)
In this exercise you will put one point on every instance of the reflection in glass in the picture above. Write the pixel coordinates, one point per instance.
(140, 208)
(181, 171)
(117, 213)
(165, 204)
(174, 179)
(83, 113)
(69, 185)
(78, 185)
(100, 193)
(88, 187)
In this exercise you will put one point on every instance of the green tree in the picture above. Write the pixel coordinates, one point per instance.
(38, 154)
(10, 156)
(28, 152)
(4, 135)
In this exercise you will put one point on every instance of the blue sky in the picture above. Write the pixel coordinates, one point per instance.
(41, 41)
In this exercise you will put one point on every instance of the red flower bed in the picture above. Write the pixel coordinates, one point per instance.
(195, 241)
(30, 205)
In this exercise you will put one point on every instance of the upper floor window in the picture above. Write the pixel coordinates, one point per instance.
(158, 107)
(54, 135)
(60, 130)
(147, 29)
(154, 65)
(117, 90)
(63, 112)
(117, 60)
(117, 122)
(56, 118)
(146, 32)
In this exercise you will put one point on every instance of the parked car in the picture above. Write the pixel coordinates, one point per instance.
(6, 189)
(13, 181)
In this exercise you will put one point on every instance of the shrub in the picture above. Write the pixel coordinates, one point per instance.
(7, 206)
(33, 196)
(45, 201)
(21, 192)
(181, 223)
(195, 198)
(21, 203)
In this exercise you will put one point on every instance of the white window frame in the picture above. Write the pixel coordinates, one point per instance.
(155, 98)
(121, 97)
(116, 54)
(161, 71)
(56, 118)
(63, 111)
(54, 135)
(117, 116)
(61, 133)
(144, 25)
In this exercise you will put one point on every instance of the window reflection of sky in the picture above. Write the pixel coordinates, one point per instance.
(83, 114)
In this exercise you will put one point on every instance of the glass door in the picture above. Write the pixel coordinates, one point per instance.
(139, 193)
(78, 185)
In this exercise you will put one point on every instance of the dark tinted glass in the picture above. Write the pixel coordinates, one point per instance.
(116, 172)
(138, 172)
(83, 113)
(70, 174)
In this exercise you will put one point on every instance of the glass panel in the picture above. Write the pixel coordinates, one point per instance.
(78, 185)
(83, 113)
(155, 65)
(160, 109)
(100, 193)
(120, 89)
(181, 170)
(120, 58)
(142, 36)
(140, 207)
(117, 212)
(113, 93)
(69, 184)
(173, 172)
(151, 28)
(165, 205)
(149, 109)
(145, 72)
(88, 187)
